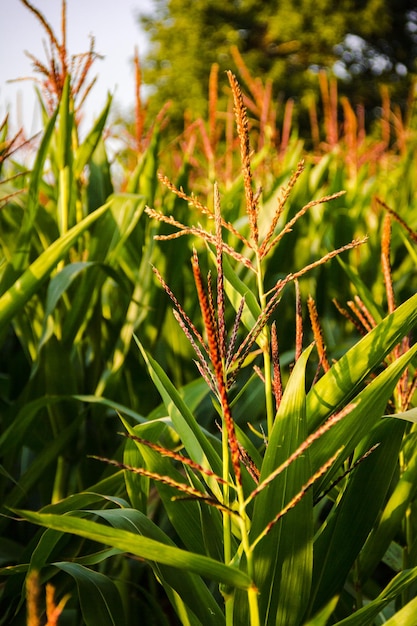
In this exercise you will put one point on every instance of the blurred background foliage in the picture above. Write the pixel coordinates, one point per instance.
(68, 363)
(366, 43)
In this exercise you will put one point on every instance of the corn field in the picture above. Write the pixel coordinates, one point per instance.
(208, 363)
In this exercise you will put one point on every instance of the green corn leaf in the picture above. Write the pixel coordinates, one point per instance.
(66, 195)
(97, 557)
(197, 600)
(65, 127)
(36, 180)
(405, 616)
(109, 240)
(126, 211)
(137, 486)
(349, 524)
(184, 614)
(86, 149)
(143, 547)
(290, 544)
(59, 284)
(211, 530)
(184, 515)
(30, 281)
(194, 393)
(370, 405)
(322, 617)
(13, 437)
(191, 589)
(100, 185)
(107, 248)
(39, 466)
(409, 416)
(99, 597)
(367, 614)
(144, 178)
(363, 291)
(45, 546)
(345, 378)
(194, 440)
(283, 558)
(391, 519)
(20, 256)
(101, 493)
(91, 278)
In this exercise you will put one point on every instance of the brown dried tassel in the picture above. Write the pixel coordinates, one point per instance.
(180, 310)
(216, 361)
(53, 611)
(361, 317)
(184, 488)
(43, 21)
(277, 382)
(348, 471)
(62, 49)
(204, 210)
(412, 387)
(386, 262)
(297, 498)
(233, 336)
(264, 316)
(284, 195)
(243, 133)
(411, 233)
(220, 276)
(318, 334)
(349, 317)
(213, 96)
(249, 463)
(288, 226)
(328, 424)
(198, 232)
(365, 311)
(212, 309)
(33, 591)
(176, 456)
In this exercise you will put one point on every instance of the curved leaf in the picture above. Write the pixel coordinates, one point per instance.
(366, 615)
(370, 405)
(190, 588)
(143, 547)
(345, 378)
(283, 558)
(194, 440)
(86, 149)
(99, 597)
(31, 280)
(355, 513)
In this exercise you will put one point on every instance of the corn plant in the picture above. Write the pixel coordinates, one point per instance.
(273, 508)
(259, 493)
(74, 281)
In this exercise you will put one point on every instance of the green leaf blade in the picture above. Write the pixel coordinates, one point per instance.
(100, 600)
(142, 547)
(283, 558)
(345, 378)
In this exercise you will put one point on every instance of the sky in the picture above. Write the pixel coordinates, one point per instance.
(116, 31)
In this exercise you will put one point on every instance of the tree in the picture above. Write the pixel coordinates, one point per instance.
(364, 42)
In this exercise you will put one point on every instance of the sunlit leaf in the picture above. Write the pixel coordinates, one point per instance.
(142, 547)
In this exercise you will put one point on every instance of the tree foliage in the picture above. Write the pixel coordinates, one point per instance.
(365, 42)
